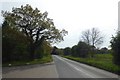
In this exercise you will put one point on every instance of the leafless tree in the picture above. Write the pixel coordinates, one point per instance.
(86, 36)
(96, 37)
(92, 37)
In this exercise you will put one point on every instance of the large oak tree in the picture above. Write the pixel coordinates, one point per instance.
(35, 25)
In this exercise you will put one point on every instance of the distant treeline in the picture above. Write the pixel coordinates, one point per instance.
(81, 50)
(84, 50)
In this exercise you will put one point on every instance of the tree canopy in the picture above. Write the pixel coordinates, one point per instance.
(35, 25)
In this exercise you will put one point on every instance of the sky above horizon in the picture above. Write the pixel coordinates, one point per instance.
(75, 16)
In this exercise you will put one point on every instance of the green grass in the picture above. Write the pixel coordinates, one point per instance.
(103, 61)
(45, 59)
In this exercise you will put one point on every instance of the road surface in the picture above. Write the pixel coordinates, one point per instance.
(70, 69)
(31, 71)
(60, 68)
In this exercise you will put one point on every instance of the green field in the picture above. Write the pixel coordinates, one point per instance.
(103, 61)
(45, 59)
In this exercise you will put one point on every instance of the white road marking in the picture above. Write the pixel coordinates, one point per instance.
(75, 67)
(96, 69)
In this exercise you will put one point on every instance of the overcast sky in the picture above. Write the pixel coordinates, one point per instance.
(75, 16)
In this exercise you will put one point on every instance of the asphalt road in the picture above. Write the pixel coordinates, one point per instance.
(70, 69)
(60, 68)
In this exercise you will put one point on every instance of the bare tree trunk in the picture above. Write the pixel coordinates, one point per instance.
(34, 46)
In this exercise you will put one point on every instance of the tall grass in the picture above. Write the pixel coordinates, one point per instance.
(103, 61)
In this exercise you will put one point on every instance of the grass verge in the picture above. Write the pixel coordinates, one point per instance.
(102, 61)
(43, 60)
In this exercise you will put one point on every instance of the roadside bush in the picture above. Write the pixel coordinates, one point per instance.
(115, 44)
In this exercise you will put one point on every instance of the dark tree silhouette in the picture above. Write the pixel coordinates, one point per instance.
(36, 26)
(115, 44)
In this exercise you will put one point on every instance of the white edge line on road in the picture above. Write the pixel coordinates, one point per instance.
(75, 67)
(92, 67)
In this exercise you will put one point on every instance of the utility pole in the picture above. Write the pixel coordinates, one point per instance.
(119, 16)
